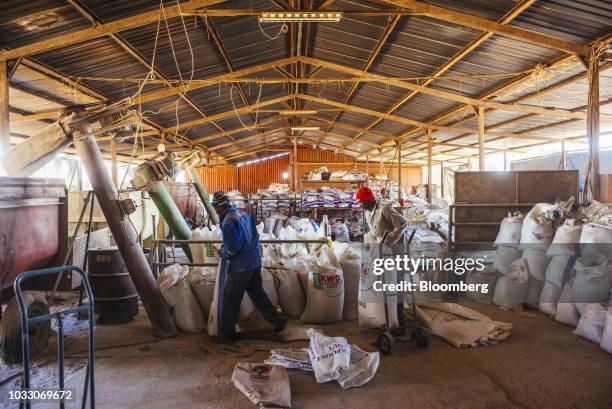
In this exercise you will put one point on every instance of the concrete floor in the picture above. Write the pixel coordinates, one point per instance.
(542, 365)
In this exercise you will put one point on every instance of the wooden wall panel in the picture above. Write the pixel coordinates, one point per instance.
(249, 178)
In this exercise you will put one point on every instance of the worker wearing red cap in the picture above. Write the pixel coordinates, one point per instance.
(382, 217)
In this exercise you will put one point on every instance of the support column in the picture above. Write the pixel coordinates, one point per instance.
(399, 173)
(442, 179)
(294, 164)
(592, 186)
(505, 161)
(382, 168)
(367, 169)
(114, 170)
(481, 138)
(563, 156)
(5, 128)
(429, 165)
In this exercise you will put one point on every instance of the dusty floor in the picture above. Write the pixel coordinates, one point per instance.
(543, 365)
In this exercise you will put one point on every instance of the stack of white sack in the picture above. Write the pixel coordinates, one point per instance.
(205, 252)
(507, 242)
(537, 261)
(537, 229)
(175, 289)
(592, 284)
(325, 293)
(511, 287)
(202, 281)
(349, 257)
(487, 277)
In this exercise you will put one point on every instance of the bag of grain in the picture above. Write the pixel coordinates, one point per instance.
(567, 313)
(176, 291)
(511, 287)
(592, 284)
(350, 261)
(606, 338)
(566, 240)
(506, 255)
(595, 243)
(325, 295)
(592, 322)
(510, 231)
(537, 260)
(290, 295)
(202, 281)
(488, 276)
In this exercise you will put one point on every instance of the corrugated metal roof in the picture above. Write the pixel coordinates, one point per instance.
(417, 47)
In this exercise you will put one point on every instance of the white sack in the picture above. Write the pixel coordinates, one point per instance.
(536, 233)
(510, 231)
(269, 284)
(202, 281)
(462, 326)
(606, 338)
(325, 295)
(534, 289)
(371, 302)
(290, 295)
(567, 313)
(487, 277)
(350, 261)
(506, 255)
(592, 284)
(560, 269)
(264, 385)
(592, 322)
(537, 260)
(176, 291)
(362, 368)
(197, 250)
(511, 287)
(596, 241)
(290, 358)
(566, 241)
(329, 356)
(548, 298)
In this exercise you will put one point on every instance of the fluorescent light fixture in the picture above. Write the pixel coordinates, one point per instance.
(250, 162)
(285, 175)
(305, 128)
(298, 112)
(300, 16)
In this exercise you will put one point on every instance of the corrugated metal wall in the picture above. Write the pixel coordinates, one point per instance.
(250, 178)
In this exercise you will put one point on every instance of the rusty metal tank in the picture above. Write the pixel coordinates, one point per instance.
(116, 298)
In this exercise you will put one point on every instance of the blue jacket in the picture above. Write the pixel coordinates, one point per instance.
(240, 241)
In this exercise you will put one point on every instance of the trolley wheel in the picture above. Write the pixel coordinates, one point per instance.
(10, 328)
(386, 343)
(421, 338)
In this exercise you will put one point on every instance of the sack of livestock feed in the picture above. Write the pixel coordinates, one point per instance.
(510, 231)
(606, 337)
(567, 313)
(325, 294)
(506, 255)
(537, 260)
(290, 295)
(592, 322)
(592, 284)
(534, 290)
(488, 276)
(329, 356)
(596, 243)
(205, 252)
(290, 358)
(270, 282)
(202, 281)
(290, 250)
(566, 240)
(246, 306)
(511, 287)
(560, 269)
(264, 385)
(372, 302)
(537, 229)
(175, 289)
(350, 260)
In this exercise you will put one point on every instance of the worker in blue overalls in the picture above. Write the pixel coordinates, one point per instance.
(241, 258)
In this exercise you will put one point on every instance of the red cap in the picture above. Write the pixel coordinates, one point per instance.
(365, 194)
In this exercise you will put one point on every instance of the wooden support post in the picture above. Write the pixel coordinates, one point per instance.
(5, 128)
(481, 139)
(114, 170)
(399, 172)
(442, 179)
(429, 154)
(382, 169)
(367, 168)
(592, 189)
(563, 156)
(295, 161)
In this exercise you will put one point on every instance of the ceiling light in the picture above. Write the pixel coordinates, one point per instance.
(285, 175)
(305, 128)
(310, 17)
(298, 112)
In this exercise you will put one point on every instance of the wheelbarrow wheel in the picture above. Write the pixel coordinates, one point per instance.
(386, 343)
(10, 328)
(421, 338)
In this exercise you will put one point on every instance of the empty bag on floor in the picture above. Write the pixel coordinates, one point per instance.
(175, 289)
(592, 322)
(362, 368)
(290, 358)
(264, 385)
(330, 356)
(325, 295)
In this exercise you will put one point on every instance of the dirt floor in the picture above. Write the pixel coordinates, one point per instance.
(542, 365)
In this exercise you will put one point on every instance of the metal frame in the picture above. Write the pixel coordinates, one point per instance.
(59, 316)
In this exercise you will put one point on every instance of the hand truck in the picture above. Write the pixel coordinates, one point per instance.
(386, 341)
(89, 384)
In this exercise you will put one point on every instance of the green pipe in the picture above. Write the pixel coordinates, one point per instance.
(171, 214)
(195, 179)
